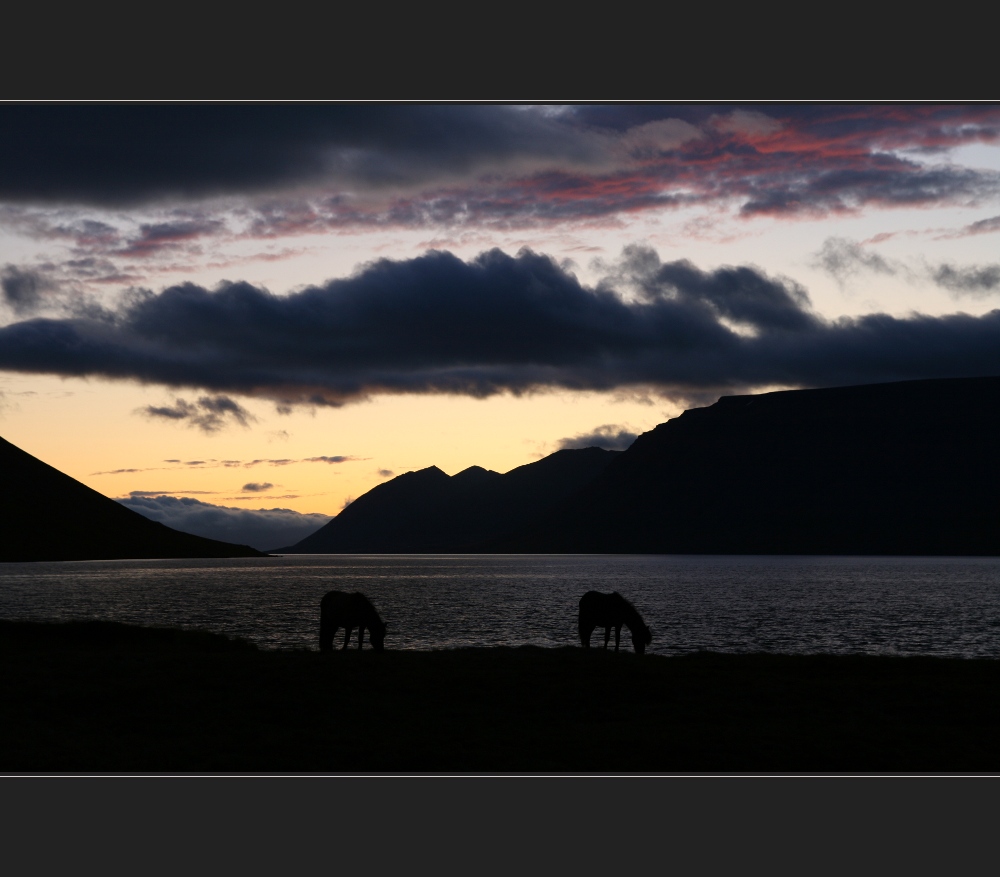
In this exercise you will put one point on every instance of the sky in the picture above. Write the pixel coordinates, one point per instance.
(238, 318)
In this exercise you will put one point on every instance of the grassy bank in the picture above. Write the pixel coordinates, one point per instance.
(101, 697)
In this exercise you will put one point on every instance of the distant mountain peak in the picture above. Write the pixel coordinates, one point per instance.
(428, 511)
(426, 472)
(474, 475)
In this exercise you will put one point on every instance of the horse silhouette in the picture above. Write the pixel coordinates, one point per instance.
(339, 609)
(612, 610)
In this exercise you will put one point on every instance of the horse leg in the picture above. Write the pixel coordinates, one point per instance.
(585, 633)
(347, 638)
(361, 636)
(607, 636)
(618, 636)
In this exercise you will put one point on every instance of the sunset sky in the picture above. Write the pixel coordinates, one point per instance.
(209, 310)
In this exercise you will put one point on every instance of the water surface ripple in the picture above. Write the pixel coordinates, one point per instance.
(796, 605)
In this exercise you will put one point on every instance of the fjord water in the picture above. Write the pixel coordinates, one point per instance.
(943, 606)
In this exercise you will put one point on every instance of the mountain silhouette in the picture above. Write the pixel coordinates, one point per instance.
(46, 515)
(908, 468)
(429, 511)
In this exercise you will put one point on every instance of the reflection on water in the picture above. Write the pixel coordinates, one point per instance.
(905, 606)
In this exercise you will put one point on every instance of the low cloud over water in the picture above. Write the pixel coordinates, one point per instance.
(262, 529)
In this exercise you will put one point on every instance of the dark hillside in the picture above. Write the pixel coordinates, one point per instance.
(902, 468)
(428, 511)
(394, 516)
(46, 515)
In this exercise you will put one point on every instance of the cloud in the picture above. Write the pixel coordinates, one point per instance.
(982, 226)
(844, 259)
(262, 529)
(650, 139)
(153, 238)
(976, 280)
(746, 122)
(888, 181)
(124, 154)
(23, 290)
(339, 458)
(232, 464)
(209, 414)
(320, 167)
(495, 324)
(254, 499)
(140, 493)
(385, 473)
(257, 487)
(610, 437)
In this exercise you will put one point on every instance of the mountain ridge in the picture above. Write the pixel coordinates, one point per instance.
(428, 511)
(905, 468)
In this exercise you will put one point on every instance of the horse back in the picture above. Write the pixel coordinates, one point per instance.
(346, 609)
(604, 609)
(341, 609)
(336, 604)
(592, 601)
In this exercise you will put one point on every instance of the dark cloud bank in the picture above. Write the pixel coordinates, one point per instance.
(120, 154)
(543, 164)
(436, 324)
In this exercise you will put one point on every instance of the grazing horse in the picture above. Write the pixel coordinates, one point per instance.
(339, 609)
(612, 610)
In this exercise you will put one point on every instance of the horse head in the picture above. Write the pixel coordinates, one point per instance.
(641, 637)
(377, 635)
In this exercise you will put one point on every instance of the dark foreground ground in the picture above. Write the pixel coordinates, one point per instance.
(100, 697)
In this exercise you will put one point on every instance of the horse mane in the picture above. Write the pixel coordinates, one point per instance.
(370, 608)
(632, 611)
(634, 616)
(626, 601)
